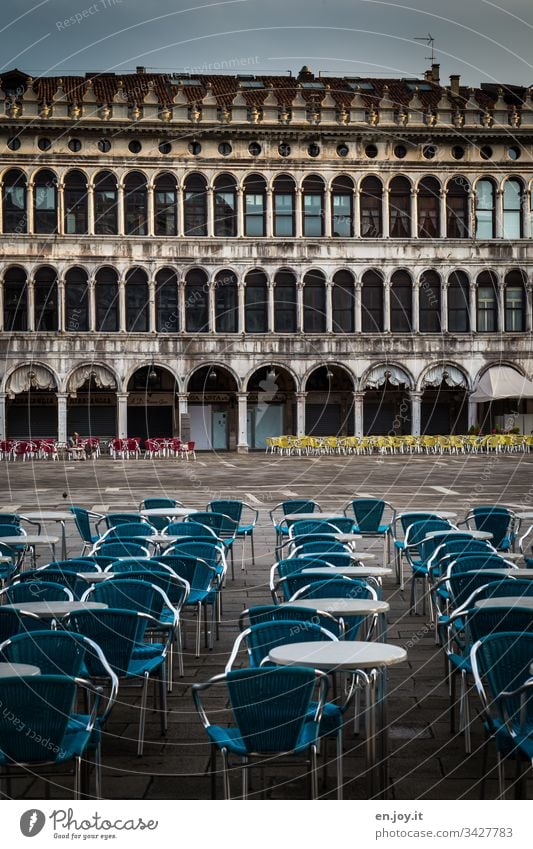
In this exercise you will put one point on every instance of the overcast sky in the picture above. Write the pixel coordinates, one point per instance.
(481, 40)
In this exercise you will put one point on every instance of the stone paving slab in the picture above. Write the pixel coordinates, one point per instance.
(425, 760)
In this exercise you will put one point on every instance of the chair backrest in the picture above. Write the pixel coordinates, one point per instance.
(12, 622)
(130, 530)
(175, 588)
(10, 518)
(116, 632)
(321, 547)
(129, 594)
(9, 529)
(228, 507)
(134, 564)
(311, 526)
(211, 552)
(223, 526)
(121, 548)
(337, 559)
(54, 652)
(277, 613)
(368, 513)
(114, 519)
(299, 505)
(270, 706)
(419, 530)
(75, 564)
(485, 621)
(260, 639)
(35, 591)
(474, 562)
(502, 663)
(157, 503)
(464, 586)
(55, 575)
(406, 519)
(190, 529)
(42, 703)
(198, 574)
(83, 523)
(496, 520)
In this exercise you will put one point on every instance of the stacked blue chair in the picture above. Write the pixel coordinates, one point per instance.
(234, 509)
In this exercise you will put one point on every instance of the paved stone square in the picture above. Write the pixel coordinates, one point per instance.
(425, 760)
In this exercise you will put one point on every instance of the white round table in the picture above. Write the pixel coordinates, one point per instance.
(349, 571)
(167, 512)
(60, 516)
(370, 660)
(486, 535)
(442, 514)
(10, 670)
(310, 517)
(525, 602)
(55, 609)
(94, 577)
(353, 555)
(30, 541)
(527, 574)
(528, 514)
(349, 538)
(340, 607)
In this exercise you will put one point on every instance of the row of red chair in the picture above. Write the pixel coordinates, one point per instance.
(130, 448)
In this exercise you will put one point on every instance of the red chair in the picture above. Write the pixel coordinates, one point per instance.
(151, 449)
(187, 450)
(117, 448)
(6, 449)
(174, 447)
(25, 449)
(49, 450)
(133, 447)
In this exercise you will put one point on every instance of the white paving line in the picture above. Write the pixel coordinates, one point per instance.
(445, 490)
(251, 497)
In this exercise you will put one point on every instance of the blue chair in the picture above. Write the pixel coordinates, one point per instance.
(296, 505)
(43, 707)
(234, 509)
(499, 521)
(120, 635)
(501, 666)
(12, 622)
(417, 553)
(159, 522)
(203, 580)
(64, 653)
(51, 574)
(369, 522)
(276, 613)
(13, 550)
(319, 546)
(121, 548)
(111, 520)
(399, 526)
(271, 714)
(340, 587)
(132, 531)
(83, 520)
(305, 527)
(134, 564)
(186, 530)
(20, 592)
(223, 526)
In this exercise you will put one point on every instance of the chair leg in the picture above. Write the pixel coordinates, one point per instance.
(98, 771)
(77, 778)
(245, 778)
(198, 630)
(314, 773)
(340, 765)
(163, 701)
(142, 715)
(213, 770)
(252, 544)
(501, 775)
(225, 774)
(179, 647)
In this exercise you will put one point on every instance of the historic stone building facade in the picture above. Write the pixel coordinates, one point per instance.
(236, 257)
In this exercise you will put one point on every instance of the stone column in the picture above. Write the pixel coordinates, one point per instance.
(416, 409)
(122, 414)
(179, 212)
(62, 398)
(528, 322)
(300, 413)
(415, 318)
(60, 208)
(211, 307)
(120, 209)
(269, 214)
(152, 317)
(414, 214)
(358, 307)
(1, 305)
(444, 307)
(61, 304)
(242, 427)
(498, 199)
(472, 413)
(92, 306)
(29, 207)
(473, 308)
(90, 209)
(328, 214)
(183, 409)
(181, 305)
(210, 212)
(3, 429)
(386, 307)
(300, 307)
(329, 306)
(122, 306)
(356, 216)
(386, 214)
(298, 216)
(442, 214)
(241, 294)
(358, 404)
(31, 305)
(150, 224)
(240, 212)
(500, 309)
(270, 317)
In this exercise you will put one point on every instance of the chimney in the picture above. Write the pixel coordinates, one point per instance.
(435, 73)
(454, 83)
(427, 76)
(140, 69)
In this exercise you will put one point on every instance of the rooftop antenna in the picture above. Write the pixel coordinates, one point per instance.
(430, 41)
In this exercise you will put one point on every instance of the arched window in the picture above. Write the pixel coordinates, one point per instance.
(515, 302)
(285, 302)
(372, 302)
(401, 302)
(226, 302)
(254, 205)
(106, 300)
(166, 301)
(458, 208)
(485, 210)
(256, 302)
(429, 208)
(14, 199)
(284, 206)
(105, 204)
(314, 302)
(343, 302)
(45, 299)
(487, 302)
(458, 303)
(75, 201)
(45, 202)
(15, 299)
(342, 207)
(196, 301)
(512, 210)
(313, 206)
(371, 202)
(137, 301)
(429, 302)
(400, 208)
(225, 205)
(195, 205)
(165, 205)
(135, 204)
(76, 300)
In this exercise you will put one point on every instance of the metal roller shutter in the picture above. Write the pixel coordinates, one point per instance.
(323, 419)
(27, 421)
(92, 421)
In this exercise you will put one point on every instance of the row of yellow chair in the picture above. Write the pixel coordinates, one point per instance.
(461, 444)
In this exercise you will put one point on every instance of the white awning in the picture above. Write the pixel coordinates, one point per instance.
(102, 377)
(378, 376)
(448, 374)
(502, 382)
(29, 377)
